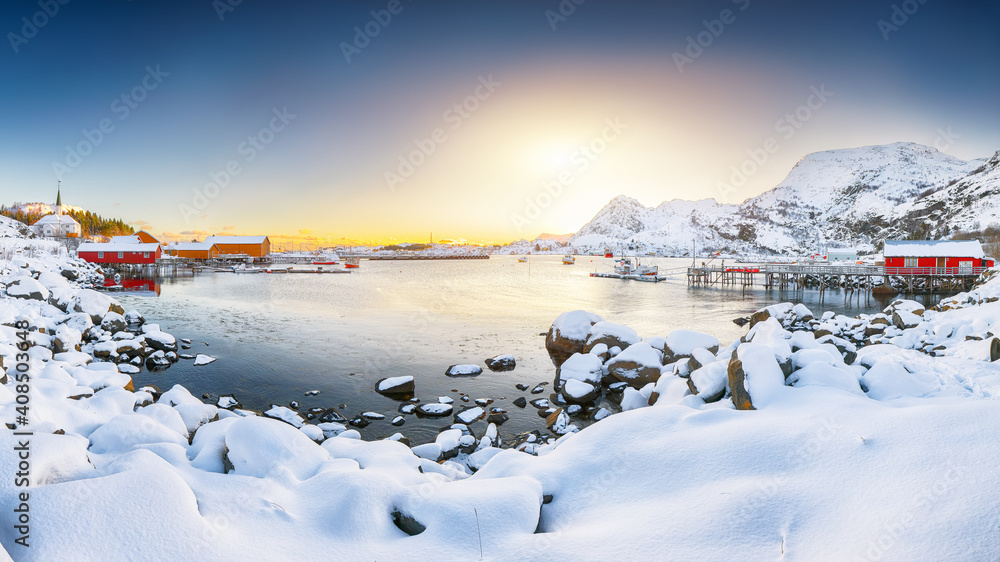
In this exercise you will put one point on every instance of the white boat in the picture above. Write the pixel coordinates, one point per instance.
(242, 268)
(522, 259)
(326, 259)
(625, 266)
(568, 260)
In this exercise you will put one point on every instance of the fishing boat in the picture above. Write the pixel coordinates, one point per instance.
(626, 266)
(352, 263)
(522, 259)
(325, 259)
(242, 268)
(568, 260)
(608, 253)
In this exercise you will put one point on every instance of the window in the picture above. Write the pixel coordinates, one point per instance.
(100, 255)
(121, 255)
(910, 262)
(145, 254)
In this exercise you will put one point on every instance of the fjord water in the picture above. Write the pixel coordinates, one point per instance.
(278, 336)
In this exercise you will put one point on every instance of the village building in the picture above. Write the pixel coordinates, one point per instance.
(58, 224)
(193, 250)
(120, 252)
(250, 246)
(935, 257)
(141, 237)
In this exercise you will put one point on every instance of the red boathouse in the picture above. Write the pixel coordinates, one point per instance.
(130, 253)
(935, 257)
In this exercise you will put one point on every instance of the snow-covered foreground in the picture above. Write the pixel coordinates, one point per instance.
(861, 445)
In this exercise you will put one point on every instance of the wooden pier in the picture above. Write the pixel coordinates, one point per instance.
(849, 277)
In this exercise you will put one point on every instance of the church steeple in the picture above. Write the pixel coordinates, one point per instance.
(59, 209)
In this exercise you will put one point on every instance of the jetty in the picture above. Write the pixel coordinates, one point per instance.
(782, 276)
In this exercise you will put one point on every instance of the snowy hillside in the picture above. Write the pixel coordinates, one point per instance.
(969, 204)
(10, 228)
(854, 196)
(44, 208)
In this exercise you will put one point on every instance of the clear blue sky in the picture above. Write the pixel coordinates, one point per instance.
(538, 87)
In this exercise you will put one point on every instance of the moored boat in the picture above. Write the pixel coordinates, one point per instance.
(351, 263)
(568, 260)
(625, 266)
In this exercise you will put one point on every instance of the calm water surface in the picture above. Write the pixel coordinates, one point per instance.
(278, 336)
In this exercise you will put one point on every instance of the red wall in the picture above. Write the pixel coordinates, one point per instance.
(127, 257)
(933, 262)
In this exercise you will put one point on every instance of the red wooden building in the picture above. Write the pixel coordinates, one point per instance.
(935, 257)
(131, 253)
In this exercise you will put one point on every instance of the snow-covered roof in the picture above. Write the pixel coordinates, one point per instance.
(933, 249)
(236, 239)
(191, 246)
(56, 219)
(133, 239)
(116, 247)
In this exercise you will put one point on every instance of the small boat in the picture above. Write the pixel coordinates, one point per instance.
(626, 266)
(351, 263)
(608, 253)
(326, 260)
(522, 259)
(568, 260)
(242, 268)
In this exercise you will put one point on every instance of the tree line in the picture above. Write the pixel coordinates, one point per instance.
(91, 224)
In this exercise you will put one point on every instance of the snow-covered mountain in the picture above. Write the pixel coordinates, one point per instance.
(849, 197)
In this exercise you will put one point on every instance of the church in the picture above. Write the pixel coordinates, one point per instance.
(58, 224)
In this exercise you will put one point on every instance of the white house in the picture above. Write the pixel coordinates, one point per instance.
(57, 225)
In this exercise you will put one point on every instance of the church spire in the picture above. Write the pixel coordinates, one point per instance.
(59, 209)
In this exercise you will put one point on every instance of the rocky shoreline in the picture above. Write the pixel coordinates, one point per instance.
(601, 368)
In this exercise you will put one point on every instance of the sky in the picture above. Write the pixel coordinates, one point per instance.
(319, 123)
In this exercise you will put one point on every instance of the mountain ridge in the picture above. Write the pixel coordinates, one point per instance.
(844, 197)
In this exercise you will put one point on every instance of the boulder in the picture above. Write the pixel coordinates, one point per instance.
(434, 410)
(25, 287)
(568, 334)
(464, 371)
(113, 322)
(737, 384)
(396, 387)
(638, 365)
(579, 392)
(585, 367)
(93, 303)
(611, 335)
(500, 363)
(682, 343)
(709, 382)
